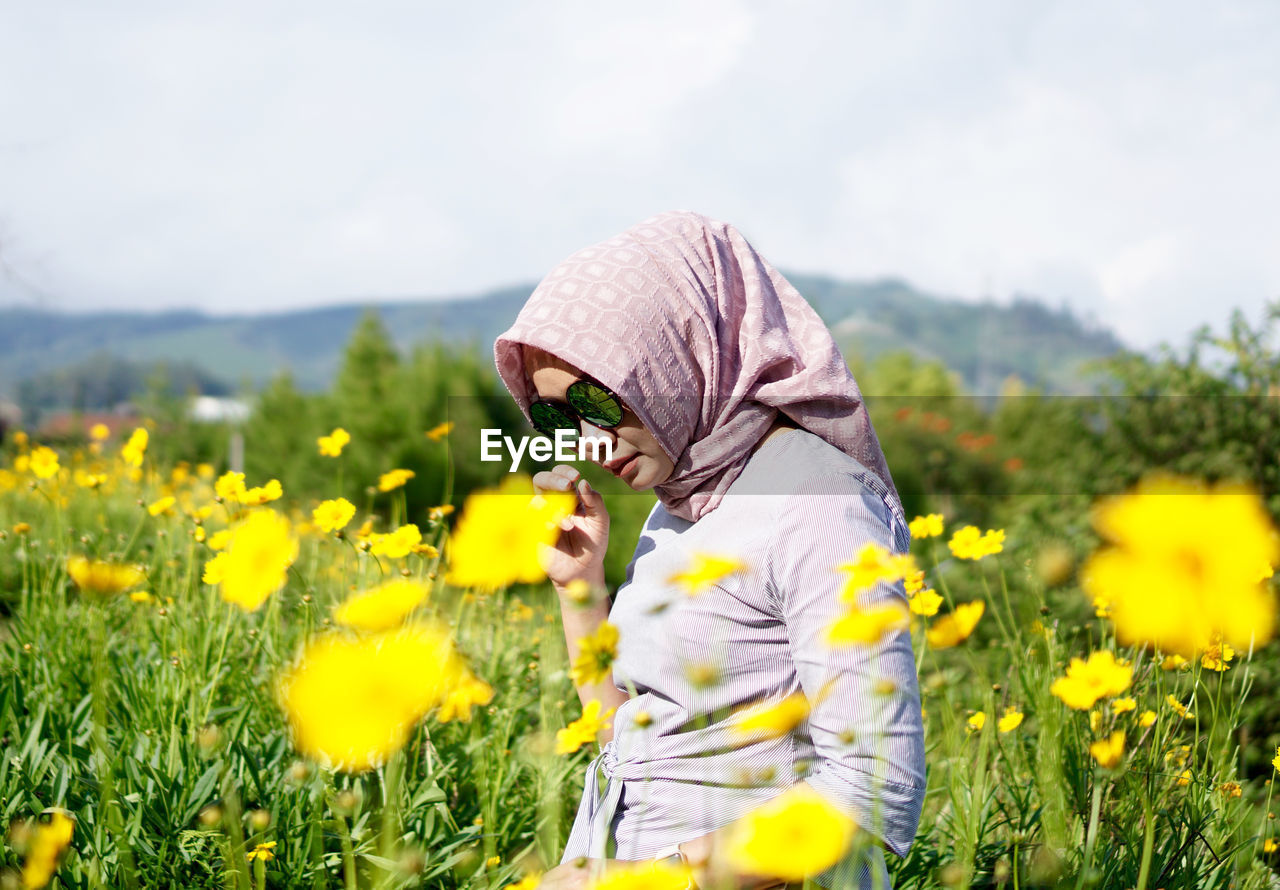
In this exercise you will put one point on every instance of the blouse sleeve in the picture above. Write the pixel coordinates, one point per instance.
(868, 734)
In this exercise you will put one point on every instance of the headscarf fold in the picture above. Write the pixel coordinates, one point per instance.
(705, 341)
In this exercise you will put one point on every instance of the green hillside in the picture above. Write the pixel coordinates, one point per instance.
(983, 342)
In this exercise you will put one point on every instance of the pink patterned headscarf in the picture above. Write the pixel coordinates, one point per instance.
(704, 341)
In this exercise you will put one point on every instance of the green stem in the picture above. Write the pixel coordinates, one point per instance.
(1091, 836)
(1148, 840)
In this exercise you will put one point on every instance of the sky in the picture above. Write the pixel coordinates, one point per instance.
(239, 157)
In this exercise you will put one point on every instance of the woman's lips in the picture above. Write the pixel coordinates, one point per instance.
(616, 467)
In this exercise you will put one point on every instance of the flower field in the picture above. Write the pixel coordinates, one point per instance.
(208, 680)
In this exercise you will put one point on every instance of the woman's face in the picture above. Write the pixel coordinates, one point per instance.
(638, 460)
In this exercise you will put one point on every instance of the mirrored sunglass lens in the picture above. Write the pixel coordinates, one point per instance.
(595, 403)
(547, 419)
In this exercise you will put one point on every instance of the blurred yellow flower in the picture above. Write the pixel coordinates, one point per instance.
(381, 607)
(47, 843)
(970, 543)
(352, 702)
(913, 583)
(1230, 789)
(1184, 778)
(164, 505)
(706, 570)
(874, 564)
(793, 836)
(868, 626)
(1147, 718)
(257, 560)
(1179, 708)
(925, 602)
(1217, 656)
(263, 852)
(955, 627)
(1276, 762)
(262, 494)
(394, 479)
(646, 874)
(1173, 662)
(332, 444)
(1102, 676)
(1180, 564)
(584, 730)
(44, 462)
(440, 512)
(528, 882)
(140, 596)
(230, 486)
(468, 693)
(1108, 751)
(136, 448)
(96, 576)
(396, 545)
(976, 721)
(596, 655)
(926, 526)
(774, 720)
(220, 539)
(89, 480)
(330, 516)
(498, 537)
(99, 431)
(1270, 845)
(1121, 705)
(440, 431)
(1011, 720)
(214, 570)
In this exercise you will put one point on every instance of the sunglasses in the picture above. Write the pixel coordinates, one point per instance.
(587, 400)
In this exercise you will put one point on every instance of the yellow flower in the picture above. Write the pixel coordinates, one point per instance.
(925, 602)
(914, 582)
(99, 431)
(333, 515)
(1147, 718)
(647, 874)
(1177, 756)
(436, 513)
(1181, 564)
(230, 486)
(1276, 762)
(977, 720)
(583, 730)
(263, 852)
(257, 560)
(396, 545)
(1215, 658)
(1230, 789)
(528, 882)
(262, 494)
(140, 596)
(439, 431)
(1179, 707)
(48, 842)
(1270, 845)
(775, 720)
(44, 462)
(426, 551)
(706, 571)
(95, 576)
(1121, 705)
(215, 569)
(497, 539)
(596, 655)
(926, 526)
(1184, 778)
(332, 444)
(969, 543)
(795, 835)
(469, 692)
(1108, 751)
(164, 505)
(352, 702)
(89, 480)
(1095, 720)
(136, 448)
(955, 627)
(1173, 662)
(867, 626)
(1011, 720)
(381, 607)
(393, 479)
(1102, 676)
(219, 540)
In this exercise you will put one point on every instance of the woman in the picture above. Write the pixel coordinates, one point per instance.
(721, 390)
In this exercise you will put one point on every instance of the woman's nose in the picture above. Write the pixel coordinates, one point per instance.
(591, 431)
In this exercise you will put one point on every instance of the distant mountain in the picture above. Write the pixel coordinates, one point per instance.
(984, 342)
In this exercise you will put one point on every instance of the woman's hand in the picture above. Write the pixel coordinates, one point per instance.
(584, 536)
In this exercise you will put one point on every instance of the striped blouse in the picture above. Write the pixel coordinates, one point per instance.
(692, 664)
